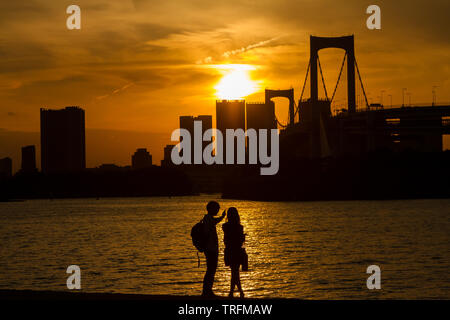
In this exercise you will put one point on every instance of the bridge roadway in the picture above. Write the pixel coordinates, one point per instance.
(408, 119)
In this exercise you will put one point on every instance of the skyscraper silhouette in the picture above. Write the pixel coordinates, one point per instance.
(230, 114)
(28, 159)
(261, 116)
(187, 122)
(63, 140)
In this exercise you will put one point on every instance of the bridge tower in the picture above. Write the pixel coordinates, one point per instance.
(346, 43)
(289, 93)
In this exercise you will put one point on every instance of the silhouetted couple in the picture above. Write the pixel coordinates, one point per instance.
(234, 238)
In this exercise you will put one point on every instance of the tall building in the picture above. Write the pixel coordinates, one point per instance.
(187, 122)
(141, 159)
(63, 140)
(261, 116)
(167, 161)
(230, 114)
(28, 159)
(5, 167)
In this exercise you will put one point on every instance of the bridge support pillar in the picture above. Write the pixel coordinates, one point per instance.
(345, 43)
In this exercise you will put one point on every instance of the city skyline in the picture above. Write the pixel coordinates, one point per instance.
(63, 130)
(156, 67)
(256, 120)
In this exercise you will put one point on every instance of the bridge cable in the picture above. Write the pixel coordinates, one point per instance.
(301, 96)
(303, 89)
(280, 124)
(340, 73)
(362, 86)
(323, 80)
(306, 78)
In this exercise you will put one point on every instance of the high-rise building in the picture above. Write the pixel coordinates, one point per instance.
(28, 159)
(5, 167)
(63, 140)
(167, 161)
(230, 114)
(141, 159)
(261, 116)
(187, 122)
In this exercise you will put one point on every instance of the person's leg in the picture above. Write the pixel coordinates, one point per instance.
(238, 281)
(211, 266)
(207, 277)
(233, 278)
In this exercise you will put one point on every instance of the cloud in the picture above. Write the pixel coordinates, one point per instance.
(116, 91)
(229, 53)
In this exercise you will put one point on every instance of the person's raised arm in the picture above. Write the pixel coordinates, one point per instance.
(217, 220)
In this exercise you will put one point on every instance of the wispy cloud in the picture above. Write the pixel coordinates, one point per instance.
(116, 91)
(230, 53)
(249, 47)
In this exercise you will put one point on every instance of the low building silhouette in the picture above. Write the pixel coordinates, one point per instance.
(5, 167)
(141, 159)
(167, 161)
(109, 167)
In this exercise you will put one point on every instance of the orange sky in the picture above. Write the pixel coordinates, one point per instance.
(136, 66)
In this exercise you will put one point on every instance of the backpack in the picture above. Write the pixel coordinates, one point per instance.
(198, 235)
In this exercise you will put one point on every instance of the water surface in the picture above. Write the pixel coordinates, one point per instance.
(309, 250)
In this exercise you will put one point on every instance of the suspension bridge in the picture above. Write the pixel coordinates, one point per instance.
(312, 130)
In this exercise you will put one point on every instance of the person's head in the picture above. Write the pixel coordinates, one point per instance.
(213, 208)
(233, 216)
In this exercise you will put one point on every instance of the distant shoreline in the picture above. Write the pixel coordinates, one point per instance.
(232, 197)
(260, 199)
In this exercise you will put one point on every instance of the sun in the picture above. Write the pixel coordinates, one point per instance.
(235, 82)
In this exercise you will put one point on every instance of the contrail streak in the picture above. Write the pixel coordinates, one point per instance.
(247, 48)
(227, 54)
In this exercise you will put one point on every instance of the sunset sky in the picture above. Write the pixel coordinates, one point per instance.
(137, 65)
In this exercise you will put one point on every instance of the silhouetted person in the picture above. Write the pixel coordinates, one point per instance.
(234, 238)
(211, 246)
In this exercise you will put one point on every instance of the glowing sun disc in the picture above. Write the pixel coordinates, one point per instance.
(236, 82)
